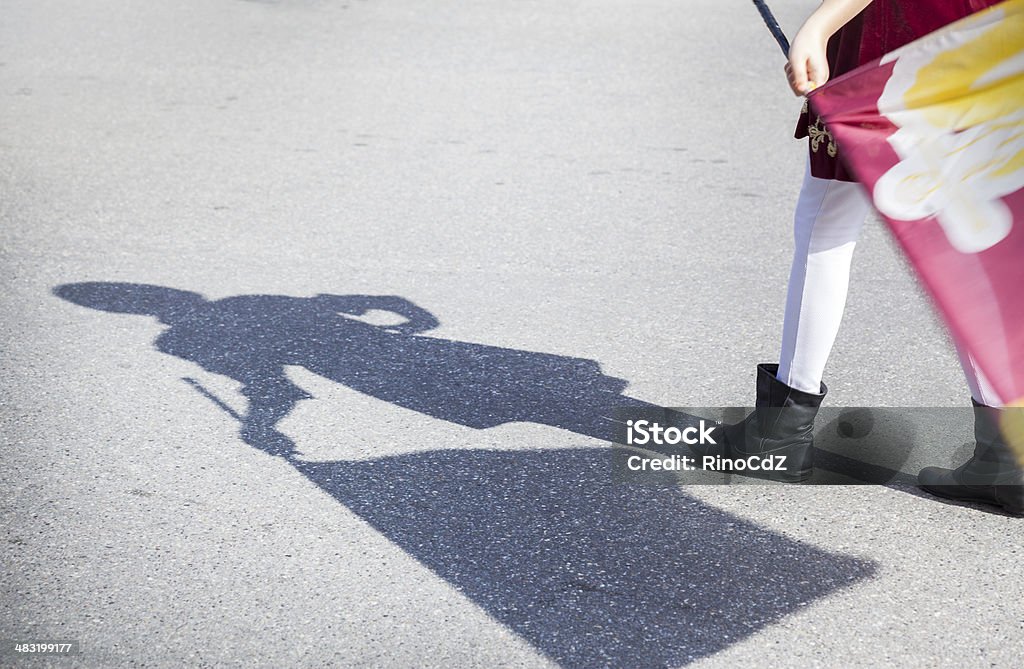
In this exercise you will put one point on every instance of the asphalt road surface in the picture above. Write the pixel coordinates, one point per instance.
(305, 304)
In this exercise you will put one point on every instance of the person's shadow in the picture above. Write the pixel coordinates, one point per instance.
(252, 338)
(590, 572)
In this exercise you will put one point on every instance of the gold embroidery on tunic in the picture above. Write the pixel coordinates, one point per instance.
(817, 133)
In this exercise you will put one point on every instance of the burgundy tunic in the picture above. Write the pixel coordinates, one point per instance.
(883, 26)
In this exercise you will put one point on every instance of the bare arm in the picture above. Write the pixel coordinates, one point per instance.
(808, 67)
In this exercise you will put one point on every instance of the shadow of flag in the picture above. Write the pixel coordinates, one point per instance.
(590, 573)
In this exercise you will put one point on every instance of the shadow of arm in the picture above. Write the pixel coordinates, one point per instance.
(417, 318)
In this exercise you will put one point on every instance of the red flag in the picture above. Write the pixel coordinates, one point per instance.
(935, 132)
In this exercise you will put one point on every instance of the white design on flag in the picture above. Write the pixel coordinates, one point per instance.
(957, 176)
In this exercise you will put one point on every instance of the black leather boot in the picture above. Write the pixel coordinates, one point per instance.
(779, 432)
(992, 476)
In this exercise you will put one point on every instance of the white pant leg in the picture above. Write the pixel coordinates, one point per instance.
(829, 217)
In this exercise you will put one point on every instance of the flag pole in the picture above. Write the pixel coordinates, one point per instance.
(773, 26)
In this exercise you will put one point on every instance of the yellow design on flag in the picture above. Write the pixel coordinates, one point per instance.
(958, 104)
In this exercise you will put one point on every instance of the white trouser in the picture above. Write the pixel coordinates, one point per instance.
(829, 217)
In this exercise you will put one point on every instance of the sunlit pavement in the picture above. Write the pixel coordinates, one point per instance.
(307, 306)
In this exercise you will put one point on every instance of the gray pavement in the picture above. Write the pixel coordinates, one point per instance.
(561, 195)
